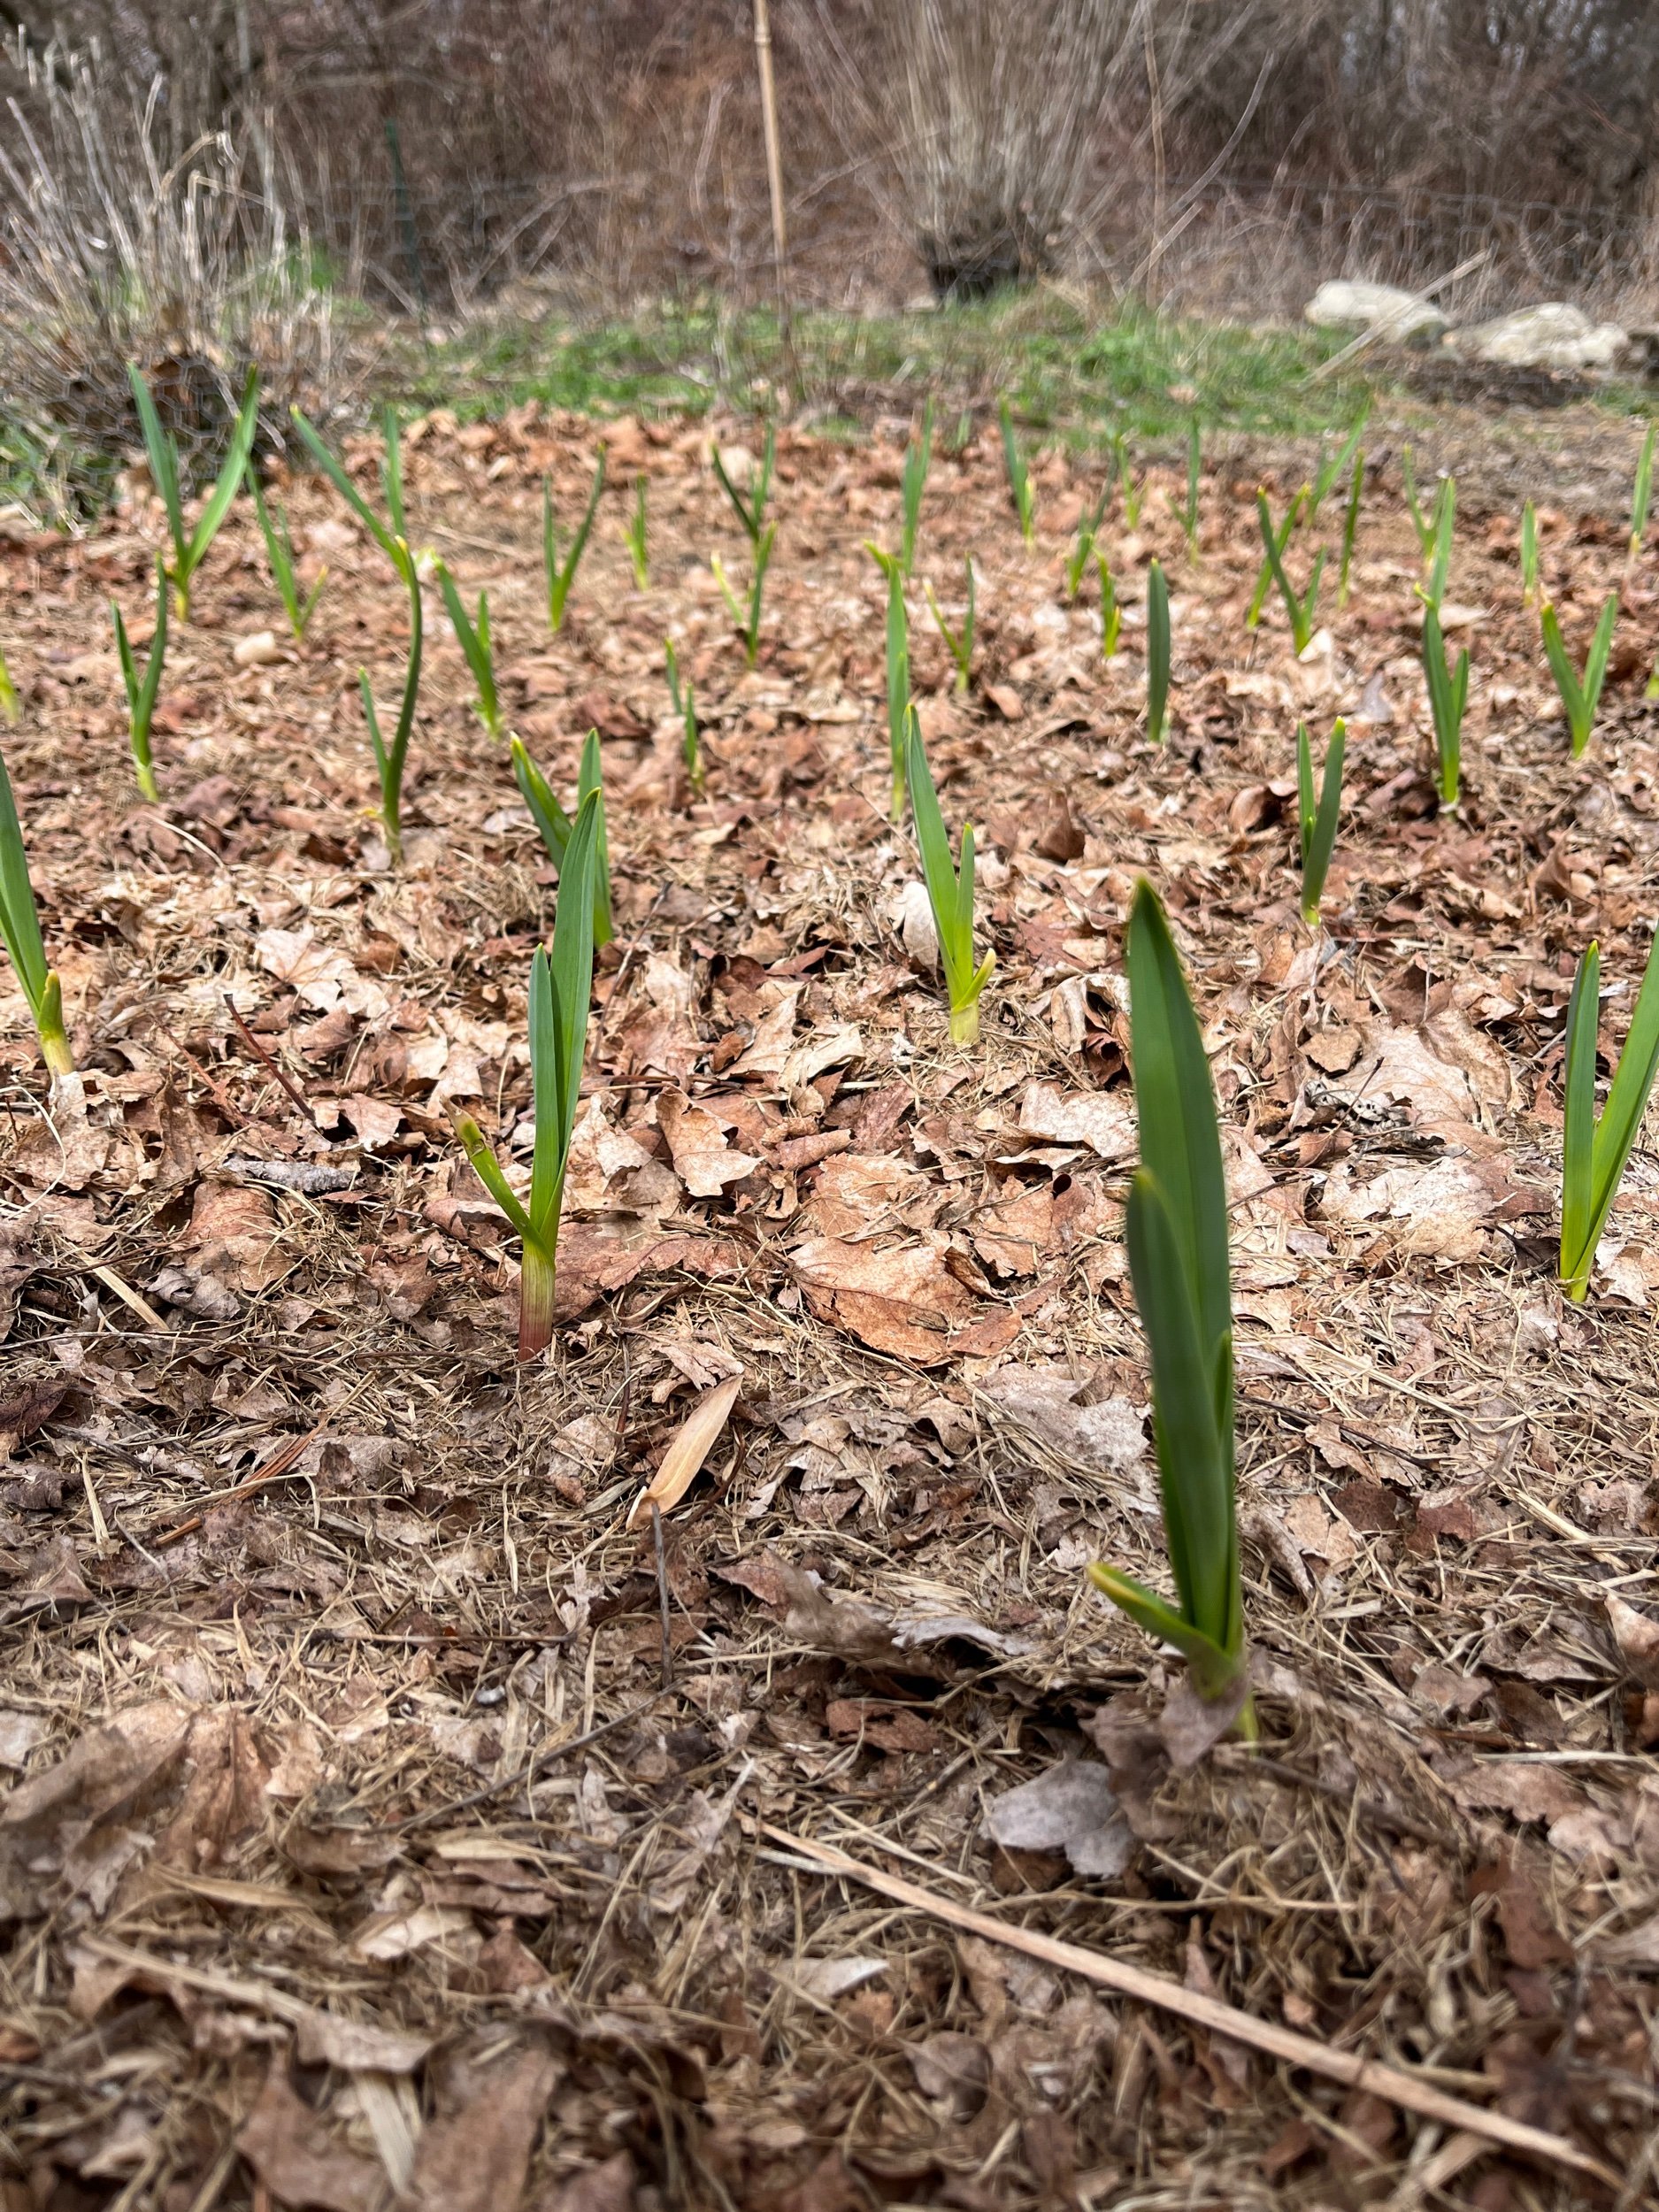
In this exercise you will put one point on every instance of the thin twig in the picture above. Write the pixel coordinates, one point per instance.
(219, 1095)
(662, 1592)
(274, 1469)
(1373, 2075)
(259, 1052)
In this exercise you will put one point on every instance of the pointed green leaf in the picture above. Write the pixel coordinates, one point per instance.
(1627, 1101)
(1213, 1670)
(1158, 648)
(938, 870)
(1281, 538)
(1600, 651)
(124, 654)
(1194, 1466)
(590, 777)
(487, 1168)
(1319, 832)
(1578, 1201)
(334, 470)
(19, 920)
(373, 721)
(1425, 529)
(1642, 493)
(162, 456)
(545, 810)
(546, 1092)
(1175, 1109)
(1561, 668)
(392, 470)
(571, 970)
(230, 477)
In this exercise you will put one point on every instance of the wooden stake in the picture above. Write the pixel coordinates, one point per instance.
(774, 156)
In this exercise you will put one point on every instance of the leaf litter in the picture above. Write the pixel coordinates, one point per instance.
(358, 1846)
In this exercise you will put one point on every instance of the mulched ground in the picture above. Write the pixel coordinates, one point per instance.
(376, 1836)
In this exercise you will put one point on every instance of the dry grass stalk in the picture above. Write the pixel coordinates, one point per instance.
(1392, 2083)
(115, 254)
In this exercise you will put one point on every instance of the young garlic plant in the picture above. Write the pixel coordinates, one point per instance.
(633, 532)
(1448, 698)
(556, 826)
(1317, 815)
(1422, 525)
(392, 537)
(1333, 469)
(190, 547)
(1432, 590)
(1194, 474)
(143, 691)
(685, 701)
(751, 513)
(950, 895)
(1282, 536)
(1179, 1262)
(1595, 1152)
(1641, 494)
(1087, 530)
(1529, 555)
(278, 549)
(1302, 609)
(473, 638)
(20, 927)
(9, 708)
(560, 990)
(1127, 484)
(1111, 618)
(959, 642)
(1019, 484)
(1581, 696)
(561, 574)
(746, 619)
(1158, 649)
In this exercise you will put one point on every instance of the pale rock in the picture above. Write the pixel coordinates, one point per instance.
(1554, 335)
(1344, 304)
(741, 468)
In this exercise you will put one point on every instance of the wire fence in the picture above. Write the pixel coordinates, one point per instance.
(1305, 230)
(1256, 244)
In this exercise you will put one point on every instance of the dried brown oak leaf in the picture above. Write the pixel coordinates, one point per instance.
(854, 1630)
(905, 1301)
(291, 2149)
(58, 1819)
(1071, 1807)
(703, 1161)
(1637, 1636)
(476, 2158)
(1102, 1121)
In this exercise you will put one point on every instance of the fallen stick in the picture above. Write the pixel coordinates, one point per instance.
(274, 1469)
(1348, 2067)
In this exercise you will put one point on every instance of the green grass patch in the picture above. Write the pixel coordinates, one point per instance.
(1065, 369)
(47, 475)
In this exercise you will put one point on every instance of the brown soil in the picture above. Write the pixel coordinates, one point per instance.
(375, 1827)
